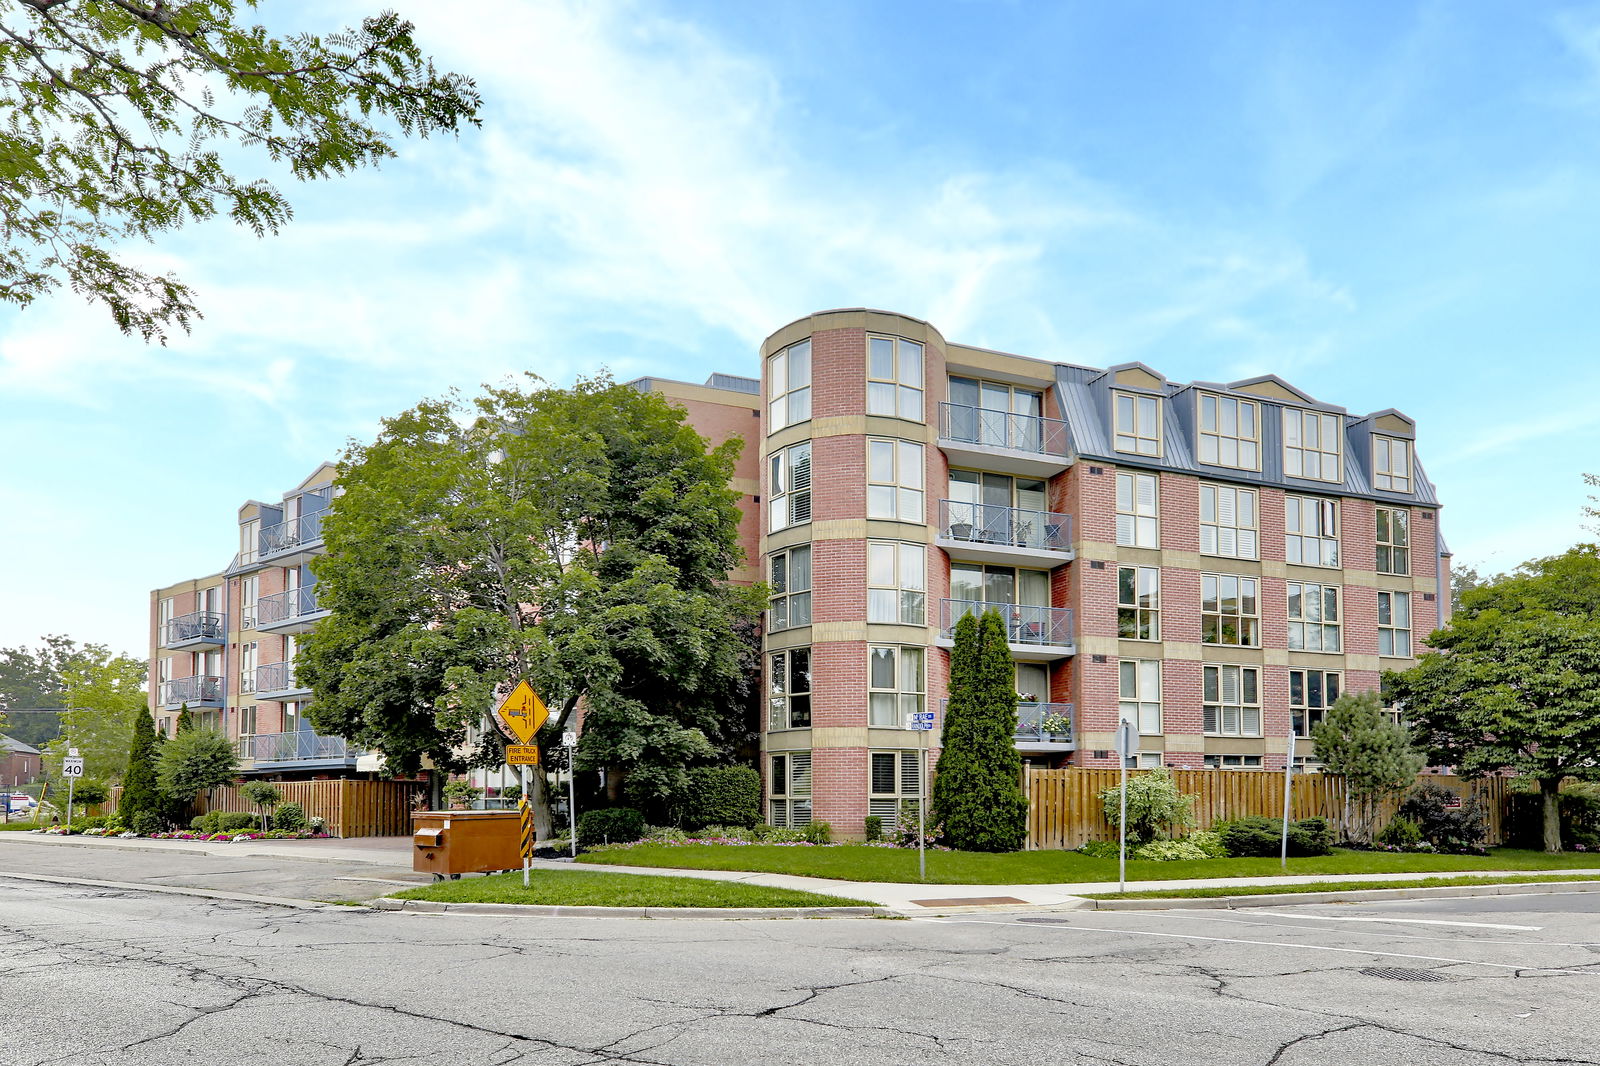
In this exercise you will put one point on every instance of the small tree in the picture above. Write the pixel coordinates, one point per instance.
(264, 795)
(977, 794)
(195, 761)
(1372, 752)
(90, 792)
(140, 795)
(185, 720)
(1155, 805)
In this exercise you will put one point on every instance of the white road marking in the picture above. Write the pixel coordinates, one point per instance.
(1406, 921)
(1390, 934)
(1272, 944)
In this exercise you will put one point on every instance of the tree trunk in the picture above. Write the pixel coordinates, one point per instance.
(1550, 790)
(538, 793)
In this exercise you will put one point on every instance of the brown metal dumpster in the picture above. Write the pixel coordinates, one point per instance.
(452, 843)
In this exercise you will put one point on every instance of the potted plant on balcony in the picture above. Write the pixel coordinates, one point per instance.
(461, 795)
(1056, 725)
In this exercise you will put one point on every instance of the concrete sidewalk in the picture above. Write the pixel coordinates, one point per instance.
(913, 897)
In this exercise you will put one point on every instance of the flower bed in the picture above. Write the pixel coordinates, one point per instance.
(184, 834)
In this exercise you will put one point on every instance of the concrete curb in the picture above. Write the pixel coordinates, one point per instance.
(174, 890)
(528, 910)
(215, 850)
(1366, 895)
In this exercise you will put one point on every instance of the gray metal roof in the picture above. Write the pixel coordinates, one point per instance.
(17, 746)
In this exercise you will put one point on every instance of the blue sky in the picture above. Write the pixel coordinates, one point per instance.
(1389, 205)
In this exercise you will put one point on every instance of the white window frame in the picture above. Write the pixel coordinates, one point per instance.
(789, 487)
(1248, 622)
(789, 788)
(900, 596)
(249, 540)
(1247, 714)
(897, 494)
(781, 690)
(1393, 554)
(1320, 541)
(789, 386)
(899, 394)
(1230, 521)
(1311, 630)
(249, 653)
(1305, 454)
(1140, 702)
(1391, 464)
(907, 769)
(789, 606)
(1138, 510)
(908, 684)
(1136, 423)
(249, 595)
(1304, 713)
(1145, 606)
(1222, 431)
(1398, 634)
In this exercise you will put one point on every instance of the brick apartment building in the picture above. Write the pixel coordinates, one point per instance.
(1213, 561)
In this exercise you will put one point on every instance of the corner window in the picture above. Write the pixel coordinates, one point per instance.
(1138, 423)
(1230, 612)
(789, 386)
(1230, 432)
(1311, 693)
(1139, 602)
(1394, 624)
(789, 789)
(1139, 692)
(897, 583)
(1391, 464)
(1138, 511)
(896, 685)
(789, 485)
(894, 378)
(1232, 700)
(789, 689)
(789, 574)
(894, 480)
(1394, 541)
(1311, 531)
(1311, 444)
(1313, 617)
(1228, 524)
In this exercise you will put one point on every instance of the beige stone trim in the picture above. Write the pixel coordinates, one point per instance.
(1220, 653)
(1274, 568)
(749, 486)
(888, 322)
(1140, 378)
(1179, 650)
(784, 639)
(1275, 657)
(1361, 578)
(1323, 575)
(1317, 660)
(1094, 644)
(683, 390)
(1395, 424)
(1096, 549)
(1186, 743)
(1139, 649)
(1214, 564)
(1235, 746)
(824, 632)
(1272, 390)
(999, 366)
(1372, 662)
(1280, 745)
(786, 740)
(1190, 561)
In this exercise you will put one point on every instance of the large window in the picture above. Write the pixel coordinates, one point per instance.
(1138, 423)
(1001, 509)
(897, 583)
(789, 386)
(1311, 445)
(999, 584)
(894, 480)
(989, 412)
(1311, 531)
(1313, 617)
(1394, 623)
(789, 573)
(1138, 510)
(1228, 522)
(789, 796)
(1139, 691)
(1139, 602)
(1231, 698)
(790, 487)
(1230, 432)
(1230, 612)
(1311, 693)
(895, 778)
(894, 377)
(789, 689)
(896, 685)
(1391, 464)
(1394, 541)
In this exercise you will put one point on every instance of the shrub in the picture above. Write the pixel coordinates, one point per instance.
(610, 825)
(1579, 807)
(463, 792)
(1311, 836)
(1453, 830)
(908, 824)
(199, 824)
(1209, 843)
(146, 822)
(1261, 837)
(89, 793)
(722, 795)
(777, 834)
(873, 827)
(818, 832)
(1167, 851)
(1400, 833)
(511, 793)
(263, 794)
(1155, 805)
(289, 817)
(192, 762)
(1100, 849)
(233, 821)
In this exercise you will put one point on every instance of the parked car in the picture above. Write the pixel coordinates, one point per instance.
(21, 802)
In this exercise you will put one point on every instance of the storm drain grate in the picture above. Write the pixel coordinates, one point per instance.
(1403, 973)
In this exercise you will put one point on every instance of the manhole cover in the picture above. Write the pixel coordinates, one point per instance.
(1403, 973)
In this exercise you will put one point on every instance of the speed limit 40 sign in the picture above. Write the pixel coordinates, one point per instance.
(71, 767)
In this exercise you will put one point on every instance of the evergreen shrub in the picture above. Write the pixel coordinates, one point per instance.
(289, 817)
(1454, 830)
(722, 795)
(610, 825)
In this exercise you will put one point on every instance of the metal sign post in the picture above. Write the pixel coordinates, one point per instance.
(1126, 741)
(569, 740)
(922, 722)
(1288, 792)
(71, 769)
(526, 810)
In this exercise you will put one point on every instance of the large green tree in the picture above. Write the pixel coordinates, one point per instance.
(977, 794)
(1514, 680)
(30, 689)
(118, 119)
(99, 693)
(190, 763)
(1374, 753)
(579, 539)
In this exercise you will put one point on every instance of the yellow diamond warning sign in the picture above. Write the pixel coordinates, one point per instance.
(522, 713)
(522, 755)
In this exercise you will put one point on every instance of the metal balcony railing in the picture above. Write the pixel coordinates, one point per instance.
(1046, 722)
(276, 677)
(192, 690)
(286, 536)
(284, 606)
(984, 523)
(301, 746)
(210, 626)
(1025, 624)
(1002, 429)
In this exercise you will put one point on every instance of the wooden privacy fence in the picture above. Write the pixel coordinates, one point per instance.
(350, 808)
(1064, 809)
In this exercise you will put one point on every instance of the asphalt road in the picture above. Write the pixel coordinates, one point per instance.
(125, 977)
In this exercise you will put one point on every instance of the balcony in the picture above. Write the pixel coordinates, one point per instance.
(294, 611)
(1025, 445)
(987, 533)
(1031, 734)
(201, 691)
(303, 749)
(294, 541)
(1034, 634)
(201, 629)
(276, 681)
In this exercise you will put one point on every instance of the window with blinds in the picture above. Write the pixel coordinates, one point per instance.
(789, 487)
(789, 797)
(896, 776)
(1232, 700)
(1138, 507)
(1311, 531)
(1228, 522)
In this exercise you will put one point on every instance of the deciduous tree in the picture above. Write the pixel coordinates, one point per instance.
(190, 763)
(99, 691)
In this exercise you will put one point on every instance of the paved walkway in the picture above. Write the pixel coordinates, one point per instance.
(396, 851)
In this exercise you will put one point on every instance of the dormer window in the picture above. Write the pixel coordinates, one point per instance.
(1230, 432)
(1138, 423)
(1391, 464)
(1311, 445)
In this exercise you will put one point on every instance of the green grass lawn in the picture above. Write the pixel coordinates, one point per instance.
(19, 823)
(856, 862)
(1333, 886)
(591, 888)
